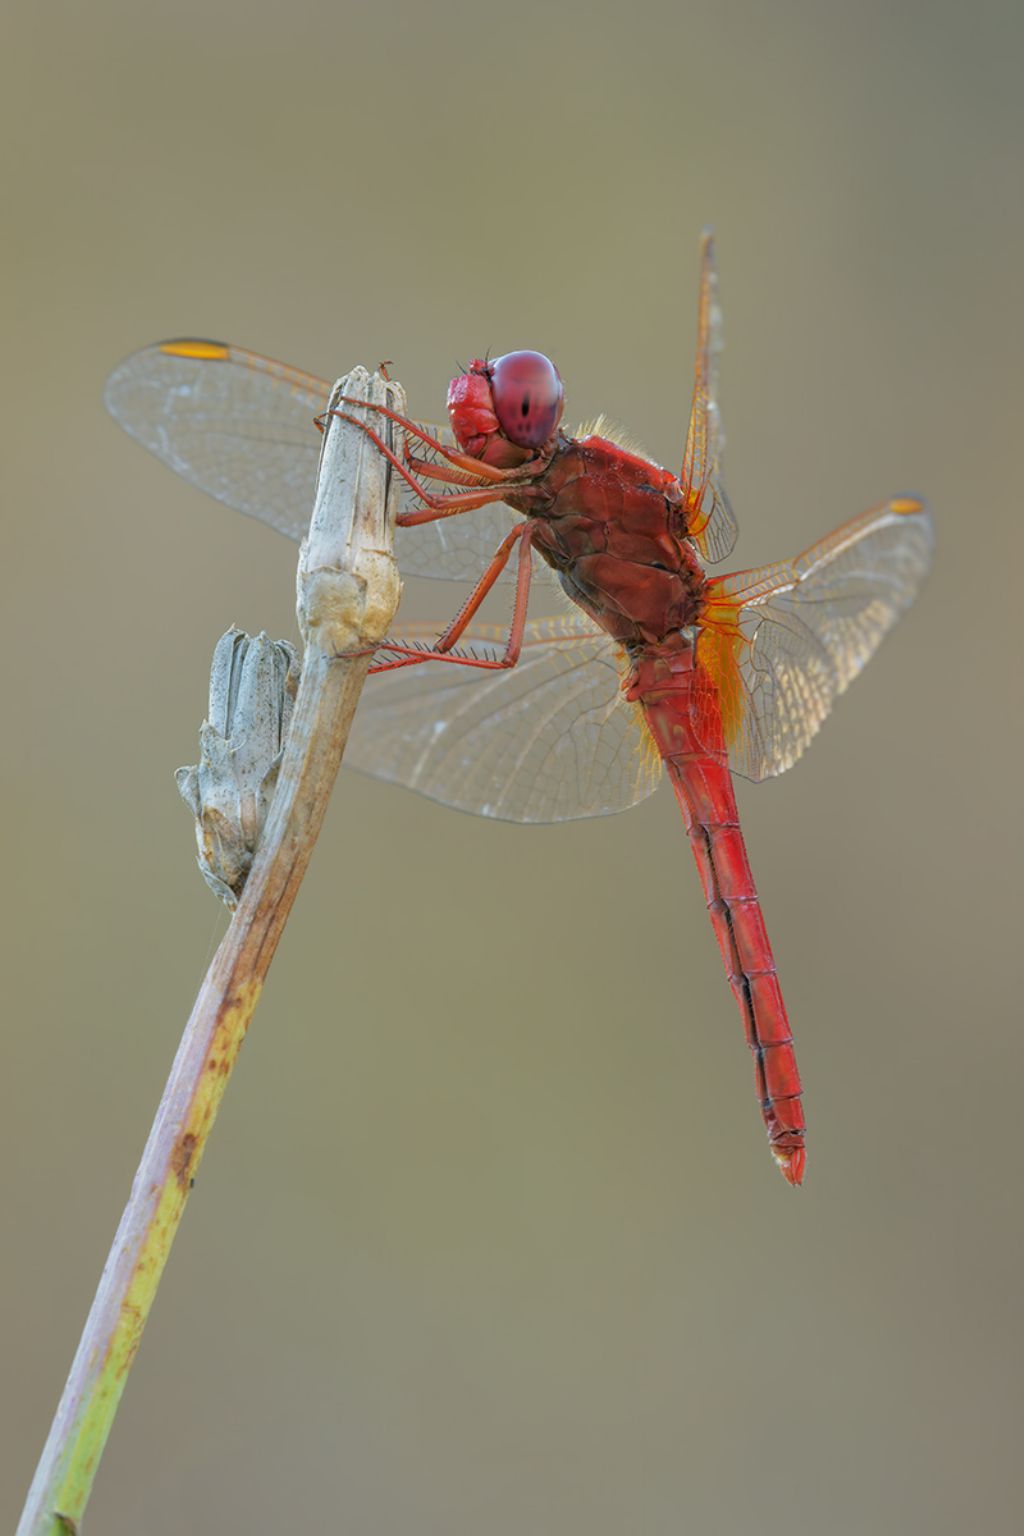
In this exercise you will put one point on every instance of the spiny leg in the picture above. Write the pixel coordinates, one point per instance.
(427, 470)
(413, 429)
(436, 506)
(409, 656)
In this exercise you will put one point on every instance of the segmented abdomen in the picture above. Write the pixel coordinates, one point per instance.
(680, 704)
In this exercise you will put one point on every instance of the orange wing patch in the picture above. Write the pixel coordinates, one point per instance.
(199, 351)
(719, 649)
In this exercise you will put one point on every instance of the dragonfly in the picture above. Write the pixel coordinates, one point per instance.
(649, 666)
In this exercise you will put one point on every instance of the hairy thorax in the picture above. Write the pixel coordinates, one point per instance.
(611, 524)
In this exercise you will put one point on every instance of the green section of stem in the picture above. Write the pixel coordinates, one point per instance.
(80, 1431)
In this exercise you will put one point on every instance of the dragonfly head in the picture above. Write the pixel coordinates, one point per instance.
(505, 411)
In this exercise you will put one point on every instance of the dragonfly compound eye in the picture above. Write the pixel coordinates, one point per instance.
(528, 397)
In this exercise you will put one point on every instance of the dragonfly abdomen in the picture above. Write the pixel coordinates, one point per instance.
(736, 916)
(680, 706)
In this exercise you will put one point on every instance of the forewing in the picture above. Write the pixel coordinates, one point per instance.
(709, 513)
(240, 427)
(237, 425)
(783, 641)
(551, 739)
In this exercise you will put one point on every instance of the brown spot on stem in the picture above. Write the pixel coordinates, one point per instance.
(66, 1523)
(181, 1157)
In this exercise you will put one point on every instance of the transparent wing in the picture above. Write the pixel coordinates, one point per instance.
(783, 641)
(711, 518)
(240, 427)
(235, 424)
(551, 739)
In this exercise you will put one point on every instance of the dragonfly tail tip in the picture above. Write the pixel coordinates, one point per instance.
(791, 1164)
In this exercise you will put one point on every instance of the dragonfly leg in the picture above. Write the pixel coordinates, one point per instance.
(522, 534)
(412, 429)
(430, 471)
(442, 650)
(436, 506)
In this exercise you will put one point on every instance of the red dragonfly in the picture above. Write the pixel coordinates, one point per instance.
(652, 663)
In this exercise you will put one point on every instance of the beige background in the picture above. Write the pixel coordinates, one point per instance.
(493, 1244)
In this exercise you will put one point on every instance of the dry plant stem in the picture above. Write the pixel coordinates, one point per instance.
(348, 591)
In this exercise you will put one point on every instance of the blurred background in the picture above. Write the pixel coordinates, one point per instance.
(502, 1249)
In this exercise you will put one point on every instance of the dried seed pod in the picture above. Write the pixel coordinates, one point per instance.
(252, 687)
